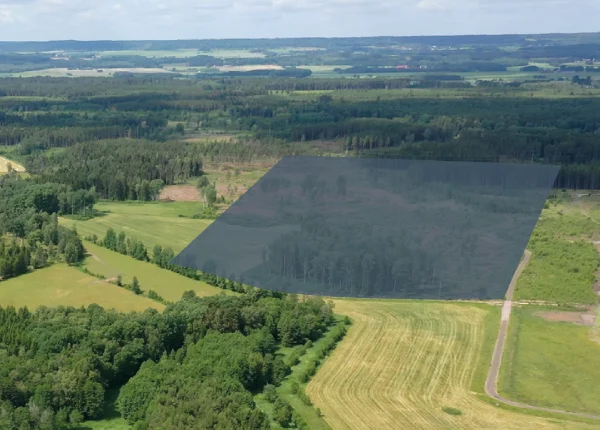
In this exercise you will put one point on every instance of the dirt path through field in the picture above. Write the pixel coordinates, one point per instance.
(491, 383)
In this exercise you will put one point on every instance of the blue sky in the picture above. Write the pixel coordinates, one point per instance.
(202, 19)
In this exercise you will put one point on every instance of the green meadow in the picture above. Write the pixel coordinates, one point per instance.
(550, 364)
(564, 260)
(167, 284)
(156, 223)
(62, 285)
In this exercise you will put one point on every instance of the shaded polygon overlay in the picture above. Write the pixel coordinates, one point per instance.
(365, 227)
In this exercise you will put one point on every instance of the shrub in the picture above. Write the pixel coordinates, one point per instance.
(452, 411)
(270, 393)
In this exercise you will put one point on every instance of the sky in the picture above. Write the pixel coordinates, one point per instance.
(223, 19)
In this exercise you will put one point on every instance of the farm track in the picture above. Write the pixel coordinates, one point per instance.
(402, 362)
(491, 383)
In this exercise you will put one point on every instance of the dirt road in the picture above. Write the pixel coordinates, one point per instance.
(491, 383)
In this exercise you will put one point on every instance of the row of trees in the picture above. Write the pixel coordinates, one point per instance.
(124, 245)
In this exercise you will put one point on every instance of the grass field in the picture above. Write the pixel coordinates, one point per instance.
(151, 277)
(61, 285)
(551, 364)
(152, 223)
(564, 259)
(402, 362)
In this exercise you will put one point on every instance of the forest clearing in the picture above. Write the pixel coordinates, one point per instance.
(5, 163)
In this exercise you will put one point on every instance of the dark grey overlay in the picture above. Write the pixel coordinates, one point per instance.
(365, 227)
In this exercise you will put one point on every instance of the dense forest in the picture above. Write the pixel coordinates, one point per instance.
(209, 354)
(141, 121)
(120, 169)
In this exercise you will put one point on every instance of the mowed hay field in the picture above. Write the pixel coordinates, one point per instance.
(61, 285)
(152, 223)
(169, 285)
(551, 364)
(402, 362)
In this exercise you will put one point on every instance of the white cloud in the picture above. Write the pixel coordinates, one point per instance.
(175, 19)
(6, 15)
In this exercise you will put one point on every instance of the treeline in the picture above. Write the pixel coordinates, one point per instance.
(286, 73)
(119, 169)
(209, 355)
(126, 246)
(28, 214)
(162, 257)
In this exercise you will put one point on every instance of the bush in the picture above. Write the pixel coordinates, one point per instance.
(155, 296)
(270, 393)
(452, 411)
(304, 397)
(282, 413)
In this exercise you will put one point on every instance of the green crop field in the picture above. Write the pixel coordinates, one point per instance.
(551, 364)
(151, 277)
(61, 285)
(151, 223)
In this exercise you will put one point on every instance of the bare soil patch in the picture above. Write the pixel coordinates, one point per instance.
(180, 193)
(580, 318)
